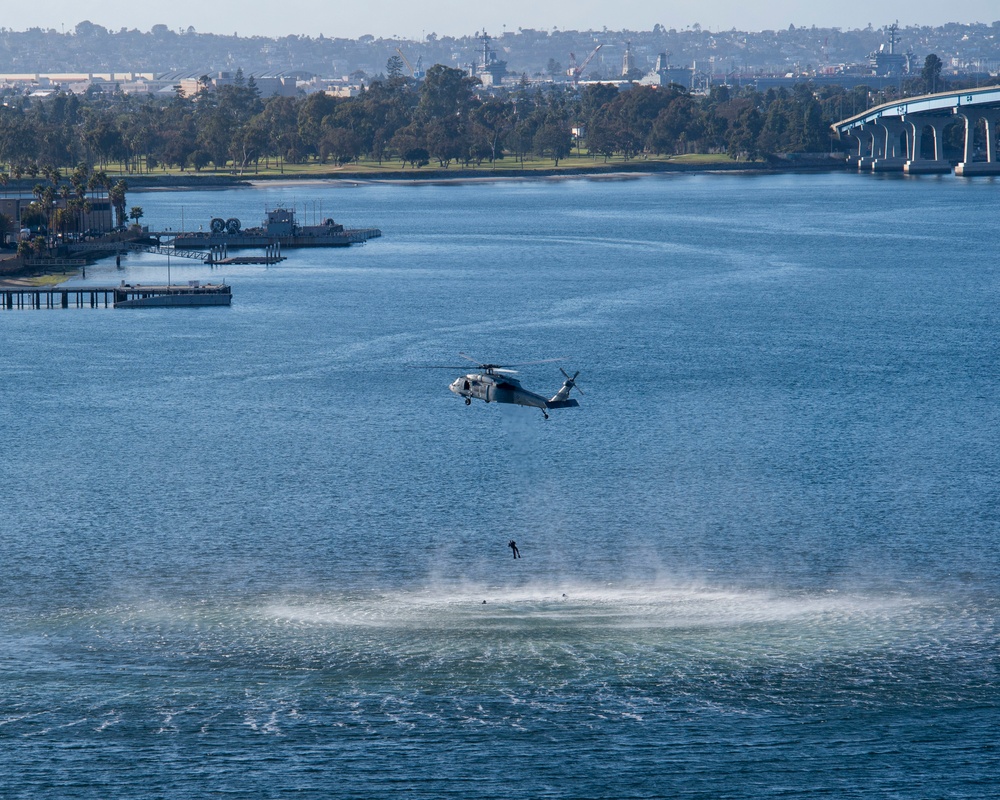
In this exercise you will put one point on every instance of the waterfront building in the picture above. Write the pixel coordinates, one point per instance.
(97, 215)
(267, 85)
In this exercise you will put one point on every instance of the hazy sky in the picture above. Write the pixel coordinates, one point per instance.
(412, 19)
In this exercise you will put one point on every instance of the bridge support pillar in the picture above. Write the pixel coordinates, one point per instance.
(864, 148)
(871, 145)
(991, 166)
(893, 157)
(969, 166)
(992, 119)
(916, 165)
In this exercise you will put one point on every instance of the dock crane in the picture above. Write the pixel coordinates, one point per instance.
(574, 71)
(414, 73)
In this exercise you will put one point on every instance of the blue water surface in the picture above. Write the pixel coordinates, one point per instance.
(246, 551)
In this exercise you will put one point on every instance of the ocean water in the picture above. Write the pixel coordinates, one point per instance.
(245, 551)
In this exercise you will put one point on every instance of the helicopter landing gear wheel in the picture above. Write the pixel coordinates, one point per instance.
(468, 401)
(545, 415)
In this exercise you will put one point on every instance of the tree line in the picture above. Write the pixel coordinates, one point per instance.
(445, 119)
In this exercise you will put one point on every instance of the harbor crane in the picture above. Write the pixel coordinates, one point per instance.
(414, 73)
(575, 71)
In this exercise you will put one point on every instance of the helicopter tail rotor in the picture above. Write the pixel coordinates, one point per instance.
(571, 381)
(561, 399)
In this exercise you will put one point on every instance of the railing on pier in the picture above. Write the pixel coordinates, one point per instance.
(138, 247)
(218, 254)
(20, 297)
(125, 295)
(55, 262)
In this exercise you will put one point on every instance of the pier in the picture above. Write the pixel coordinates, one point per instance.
(216, 255)
(123, 296)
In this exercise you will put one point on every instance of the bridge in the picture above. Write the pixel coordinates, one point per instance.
(891, 137)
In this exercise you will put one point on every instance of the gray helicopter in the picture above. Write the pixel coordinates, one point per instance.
(494, 384)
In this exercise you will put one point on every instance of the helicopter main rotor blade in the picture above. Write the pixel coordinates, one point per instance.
(529, 363)
(506, 367)
(488, 367)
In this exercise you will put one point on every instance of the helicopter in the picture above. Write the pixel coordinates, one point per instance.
(494, 384)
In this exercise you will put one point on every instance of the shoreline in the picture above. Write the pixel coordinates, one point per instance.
(425, 175)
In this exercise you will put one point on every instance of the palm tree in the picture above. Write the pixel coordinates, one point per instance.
(38, 190)
(116, 194)
(135, 213)
(80, 180)
(64, 217)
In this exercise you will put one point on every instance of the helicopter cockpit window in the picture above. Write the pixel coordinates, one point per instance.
(466, 386)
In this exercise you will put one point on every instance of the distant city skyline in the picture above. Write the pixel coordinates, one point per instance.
(409, 20)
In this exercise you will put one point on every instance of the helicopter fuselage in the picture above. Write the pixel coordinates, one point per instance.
(496, 389)
(491, 387)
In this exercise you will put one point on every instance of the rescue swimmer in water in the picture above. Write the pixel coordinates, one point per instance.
(494, 384)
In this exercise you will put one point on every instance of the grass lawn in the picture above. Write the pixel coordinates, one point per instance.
(372, 169)
(50, 279)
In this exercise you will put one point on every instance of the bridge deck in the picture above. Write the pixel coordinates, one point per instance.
(985, 97)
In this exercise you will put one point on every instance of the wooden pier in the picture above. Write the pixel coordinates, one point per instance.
(124, 296)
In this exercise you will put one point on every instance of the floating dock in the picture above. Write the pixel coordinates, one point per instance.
(279, 230)
(123, 296)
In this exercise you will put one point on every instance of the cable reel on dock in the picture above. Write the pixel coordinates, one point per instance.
(231, 226)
